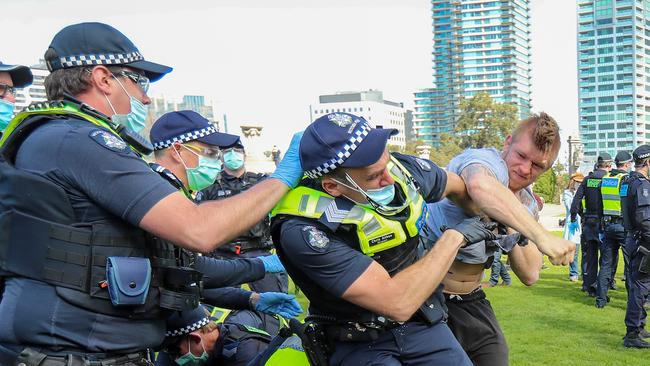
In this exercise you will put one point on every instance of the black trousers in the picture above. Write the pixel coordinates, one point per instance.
(476, 328)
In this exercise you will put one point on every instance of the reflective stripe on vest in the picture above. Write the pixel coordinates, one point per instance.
(58, 109)
(376, 233)
(610, 191)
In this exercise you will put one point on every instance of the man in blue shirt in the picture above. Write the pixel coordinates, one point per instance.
(348, 236)
(498, 178)
(82, 196)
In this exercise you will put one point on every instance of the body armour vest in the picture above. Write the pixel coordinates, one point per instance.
(610, 190)
(592, 201)
(391, 240)
(41, 239)
(257, 237)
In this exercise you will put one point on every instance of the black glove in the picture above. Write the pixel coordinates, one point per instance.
(474, 230)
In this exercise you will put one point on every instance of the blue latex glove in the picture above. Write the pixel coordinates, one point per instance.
(279, 303)
(272, 264)
(573, 226)
(289, 170)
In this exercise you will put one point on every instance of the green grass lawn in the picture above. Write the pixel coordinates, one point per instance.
(554, 323)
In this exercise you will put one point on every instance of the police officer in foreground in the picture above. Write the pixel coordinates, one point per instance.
(636, 213)
(348, 237)
(12, 77)
(613, 228)
(588, 203)
(186, 149)
(91, 287)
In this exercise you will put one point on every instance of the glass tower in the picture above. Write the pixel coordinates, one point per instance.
(477, 46)
(613, 75)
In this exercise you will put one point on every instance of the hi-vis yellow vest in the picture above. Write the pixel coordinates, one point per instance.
(610, 190)
(376, 233)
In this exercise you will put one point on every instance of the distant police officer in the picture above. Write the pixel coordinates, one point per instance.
(636, 213)
(348, 236)
(255, 242)
(614, 232)
(186, 149)
(12, 77)
(92, 287)
(588, 202)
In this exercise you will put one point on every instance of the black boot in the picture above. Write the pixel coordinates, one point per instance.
(634, 340)
(644, 333)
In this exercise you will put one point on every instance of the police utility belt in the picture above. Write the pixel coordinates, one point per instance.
(245, 245)
(369, 327)
(613, 220)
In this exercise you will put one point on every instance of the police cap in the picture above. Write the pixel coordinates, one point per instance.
(341, 140)
(185, 126)
(90, 44)
(21, 76)
(641, 153)
(185, 322)
(622, 157)
(604, 158)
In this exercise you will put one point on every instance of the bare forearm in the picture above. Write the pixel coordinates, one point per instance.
(525, 263)
(411, 287)
(499, 203)
(224, 220)
(204, 227)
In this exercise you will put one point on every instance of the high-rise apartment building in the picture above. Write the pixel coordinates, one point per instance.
(613, 75)
(478, 46)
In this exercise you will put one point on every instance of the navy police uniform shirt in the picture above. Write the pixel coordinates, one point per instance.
(103, 179)
(324, 264)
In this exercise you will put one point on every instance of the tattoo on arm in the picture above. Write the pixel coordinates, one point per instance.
(469, 171)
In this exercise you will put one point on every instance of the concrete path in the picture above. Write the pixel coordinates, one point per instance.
(550, 216)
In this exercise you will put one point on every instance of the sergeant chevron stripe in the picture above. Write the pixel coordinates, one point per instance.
(334, 214)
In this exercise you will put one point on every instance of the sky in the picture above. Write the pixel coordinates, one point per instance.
(263, 62)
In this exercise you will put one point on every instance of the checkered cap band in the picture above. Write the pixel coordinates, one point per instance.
(341, 155)
(644, 155)
(188, 328)
(186, 137)
(107, 59)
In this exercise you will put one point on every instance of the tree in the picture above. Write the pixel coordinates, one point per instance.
(448, 148)
(483, 122)
(550, 184)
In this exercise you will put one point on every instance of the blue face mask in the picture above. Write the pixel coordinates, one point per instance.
(134, 120)
(6, 112)
(233, 160)
(189, 359)
(383, 196)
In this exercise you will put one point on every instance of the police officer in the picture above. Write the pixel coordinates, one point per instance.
(187, 154)
(11, 78)
(256, 242)
(588, 202)
(635, 196)
(348, 236)
(92, 286)
(193, 338)
(614, 232)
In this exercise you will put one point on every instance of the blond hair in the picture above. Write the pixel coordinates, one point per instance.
(545, 131)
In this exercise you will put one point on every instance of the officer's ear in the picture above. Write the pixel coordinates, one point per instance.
(100, 77)
(331, 186)
(175, 152)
